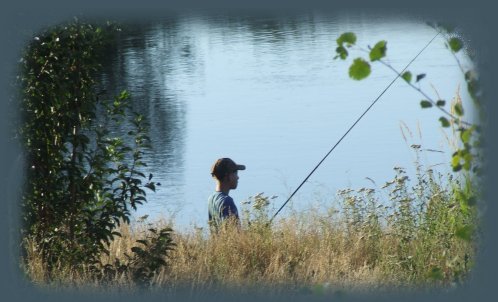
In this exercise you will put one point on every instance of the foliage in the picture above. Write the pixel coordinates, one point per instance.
(360, 69)
(469, 155)
(148, 258)
(425, 221)
(402, 235)
(81, 181)
(255, 212)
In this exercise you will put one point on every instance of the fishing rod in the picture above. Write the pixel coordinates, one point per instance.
(352, 126)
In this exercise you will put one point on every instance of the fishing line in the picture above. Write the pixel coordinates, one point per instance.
(352, 126)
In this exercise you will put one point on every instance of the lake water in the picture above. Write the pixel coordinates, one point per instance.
(267, 93)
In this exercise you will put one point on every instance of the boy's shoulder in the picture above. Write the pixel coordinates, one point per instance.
(220, 196)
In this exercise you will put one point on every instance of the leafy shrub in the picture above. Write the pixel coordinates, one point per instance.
(81, 181)
(148, 258)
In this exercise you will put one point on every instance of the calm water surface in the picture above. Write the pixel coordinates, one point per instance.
(268, 94)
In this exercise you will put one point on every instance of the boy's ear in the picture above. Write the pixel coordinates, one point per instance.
(227, 176)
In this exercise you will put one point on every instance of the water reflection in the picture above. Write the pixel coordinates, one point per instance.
(145, 60)
(267, 92)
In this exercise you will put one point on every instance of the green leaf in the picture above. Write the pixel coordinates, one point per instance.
(466, 135)
(360, 69)
(378, 51)
(457, 168)
(468, 161)
(425, 104)
(407, 76)
(349, 38)
(341, 53)
(124, 95)
(444, 122)
(464, 206)
(458, 109)
(455, 44)
(420, 77)
(440, 103)
(151, 186)
(472, 87)
(455, 160)
(464, 232)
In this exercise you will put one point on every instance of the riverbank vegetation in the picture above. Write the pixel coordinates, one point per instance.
(396, 237)
(82, 181)
(82, 184)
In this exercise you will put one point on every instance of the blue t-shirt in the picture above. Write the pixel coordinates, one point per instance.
(220, 208)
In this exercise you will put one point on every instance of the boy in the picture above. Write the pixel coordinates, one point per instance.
(221, 206)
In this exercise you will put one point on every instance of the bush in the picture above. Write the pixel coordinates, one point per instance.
(81, 182)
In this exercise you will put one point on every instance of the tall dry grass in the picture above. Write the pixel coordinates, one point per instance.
(362, 242)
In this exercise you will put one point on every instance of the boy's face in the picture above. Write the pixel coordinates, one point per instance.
(233, 179)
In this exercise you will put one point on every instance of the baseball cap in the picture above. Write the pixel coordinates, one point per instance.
(224, 166)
